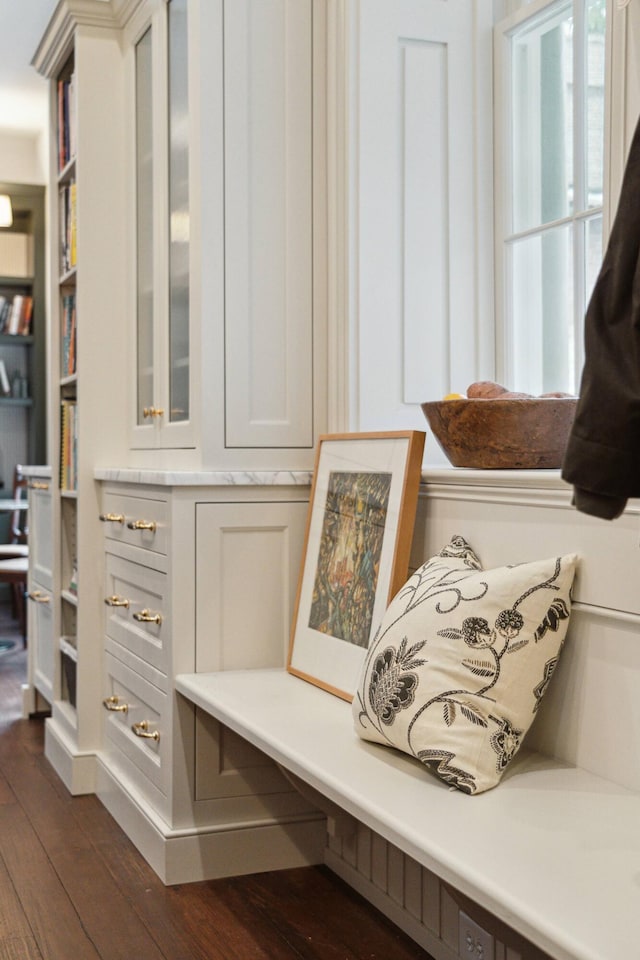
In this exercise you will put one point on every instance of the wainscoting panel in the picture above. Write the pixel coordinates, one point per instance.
(415, 899)
(510, 518)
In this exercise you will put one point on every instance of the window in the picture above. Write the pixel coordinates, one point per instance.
(550, 149)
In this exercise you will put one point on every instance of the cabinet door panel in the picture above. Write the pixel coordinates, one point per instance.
(41, 550)
(248, 557)
(40, 631)
(268, 223)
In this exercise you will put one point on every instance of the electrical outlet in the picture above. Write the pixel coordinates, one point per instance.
(475, 943)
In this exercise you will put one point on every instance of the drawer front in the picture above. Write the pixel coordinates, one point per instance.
(137, 521)
(135, 722)
(136, 606)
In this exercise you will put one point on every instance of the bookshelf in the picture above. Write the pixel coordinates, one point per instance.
(67, 454)
(80, 55)
(22, 332)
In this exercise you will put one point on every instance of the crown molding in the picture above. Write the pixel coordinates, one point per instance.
(55, 45)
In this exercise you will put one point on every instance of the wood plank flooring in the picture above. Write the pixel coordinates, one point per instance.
(72, 886)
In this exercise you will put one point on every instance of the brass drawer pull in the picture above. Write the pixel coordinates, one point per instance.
(142, 525)
(145, 616)
(38, 485)
(115, 601)
(152, 412)
(112, 517)
(141, 729)
(113, 704)
(38, 597)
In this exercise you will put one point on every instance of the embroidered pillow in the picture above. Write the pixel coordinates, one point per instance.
(461, 660)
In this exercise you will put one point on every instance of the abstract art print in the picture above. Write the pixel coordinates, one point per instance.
(359, 530)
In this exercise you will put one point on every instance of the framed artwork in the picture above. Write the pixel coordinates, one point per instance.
(356, 557)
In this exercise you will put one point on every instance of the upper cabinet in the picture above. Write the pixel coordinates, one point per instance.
(160, 139)
(228, 293)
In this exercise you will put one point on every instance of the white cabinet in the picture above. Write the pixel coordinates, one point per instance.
(42, 648)
(196, 576)
(228, 346)
(268, 227)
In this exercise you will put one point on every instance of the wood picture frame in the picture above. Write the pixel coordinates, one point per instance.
(356, 555)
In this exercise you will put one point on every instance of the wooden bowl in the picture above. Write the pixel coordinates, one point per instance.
(503, 434)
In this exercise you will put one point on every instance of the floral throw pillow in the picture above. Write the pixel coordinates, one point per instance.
(462, 658)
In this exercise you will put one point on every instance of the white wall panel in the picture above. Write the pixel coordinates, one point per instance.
(421, 235)
(425, 156)
(600, 662)
(268, 223)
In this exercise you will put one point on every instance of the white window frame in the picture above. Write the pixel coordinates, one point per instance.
(505, 237)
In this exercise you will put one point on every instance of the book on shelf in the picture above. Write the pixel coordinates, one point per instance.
(25, 319)
(68, 365)
(13, 323)
(73, 224)
(5, 386)
(68, 228)
(15, 314)
(68, 445)
(66, 121)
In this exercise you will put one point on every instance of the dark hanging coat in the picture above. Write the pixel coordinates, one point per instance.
(602, 459)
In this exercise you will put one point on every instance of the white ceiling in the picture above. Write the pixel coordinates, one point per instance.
(23, 92)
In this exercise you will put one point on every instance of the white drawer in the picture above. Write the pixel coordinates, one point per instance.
(137, 521)
(136, 608)
(131, 704)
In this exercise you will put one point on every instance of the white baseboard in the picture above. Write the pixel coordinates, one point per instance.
(76, 770)
(207, 853)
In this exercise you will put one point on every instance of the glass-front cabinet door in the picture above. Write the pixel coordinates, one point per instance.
(144, 226)
(163, 406)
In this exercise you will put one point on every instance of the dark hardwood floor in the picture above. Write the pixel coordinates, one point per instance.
(72, 886)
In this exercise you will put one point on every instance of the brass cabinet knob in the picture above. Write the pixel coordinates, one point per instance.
(152, 412)
(38, 485)
(145, 616)
(112, 517)
(141, 729)
(115, 601)
(113, 704)
(142, 525)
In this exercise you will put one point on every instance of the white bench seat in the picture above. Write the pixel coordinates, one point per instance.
(554, 851)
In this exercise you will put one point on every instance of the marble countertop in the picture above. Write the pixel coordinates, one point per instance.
(205, 478)
(37, 471)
